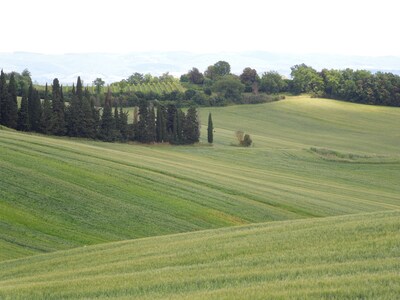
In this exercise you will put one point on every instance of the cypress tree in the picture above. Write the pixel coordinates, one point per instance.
(107, 127)
(191, 130)
(58, 122)
(95, 117)
(210, 130)
(123, 123)
(142, 125)
(23, 116)
(171, 123)
(46, 119)
(34, 109)
(76, 115)
(160, 124)
(12, 104)
(151, 127)
(116, 118)
(88, 122)
(3, 97)
(180, 121)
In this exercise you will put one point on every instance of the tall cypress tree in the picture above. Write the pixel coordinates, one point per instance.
(46, 119)
(59, 127)
(210, 130)
(107, 128)
(76, 116)
(34, 109)
(151, 127)
(160, 124)
(12, 104)
(191, 129)
(180, 121)
(171, 123)
(23, 116)
(88, 122)
(123, 123)
(116, 118)
(3, 97)
(142, 125)
(95, 117)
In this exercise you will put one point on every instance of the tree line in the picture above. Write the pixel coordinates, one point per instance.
(81, 117)
(359, 86)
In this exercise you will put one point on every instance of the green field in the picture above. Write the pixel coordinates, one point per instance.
(312, 158)
(348, 257)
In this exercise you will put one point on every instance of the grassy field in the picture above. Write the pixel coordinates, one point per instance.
(312, 158)
(350, 257)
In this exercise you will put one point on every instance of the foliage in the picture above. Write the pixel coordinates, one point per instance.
(230, 88)
(218, 70)
(272, 83)
(98, 83)
(23, 116)
(306, 80)
(210, 130)
(195, 76)
(250, 79)
(8, 101)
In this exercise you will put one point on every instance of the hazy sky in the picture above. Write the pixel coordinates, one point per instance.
(303, 26)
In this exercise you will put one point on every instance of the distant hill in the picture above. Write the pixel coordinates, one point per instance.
(113, 67)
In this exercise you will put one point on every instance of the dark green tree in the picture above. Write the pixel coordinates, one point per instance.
(191, 129)
(107, 127)
(123, 124)
(46, 119)
(170, 122)
(230, 88)
(58, 122)
(76, 116)
(210, 130)
(306, 80)
(250, 79)
(12, 104)
(3, 98)
(89, 124)
(152, 125)
(272, 83)
(98, 83)
(218, 70)
(116, 118)
(146, 124)
(195, 76)
(34, 109)
(23, 116)
(160, 124)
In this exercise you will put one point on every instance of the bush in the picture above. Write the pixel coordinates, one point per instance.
(243, 139)
(247, 141)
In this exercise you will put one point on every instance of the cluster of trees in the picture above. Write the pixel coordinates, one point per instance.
(218, 86)
(159, 123)
(358, 86)
(80, 117)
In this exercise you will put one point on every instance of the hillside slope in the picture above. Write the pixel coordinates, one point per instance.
(63, 193)
(344, 257)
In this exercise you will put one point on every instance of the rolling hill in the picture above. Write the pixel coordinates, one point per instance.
(284, 200)
(350, 257)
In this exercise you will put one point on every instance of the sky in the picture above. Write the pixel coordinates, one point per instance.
(348, 27)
